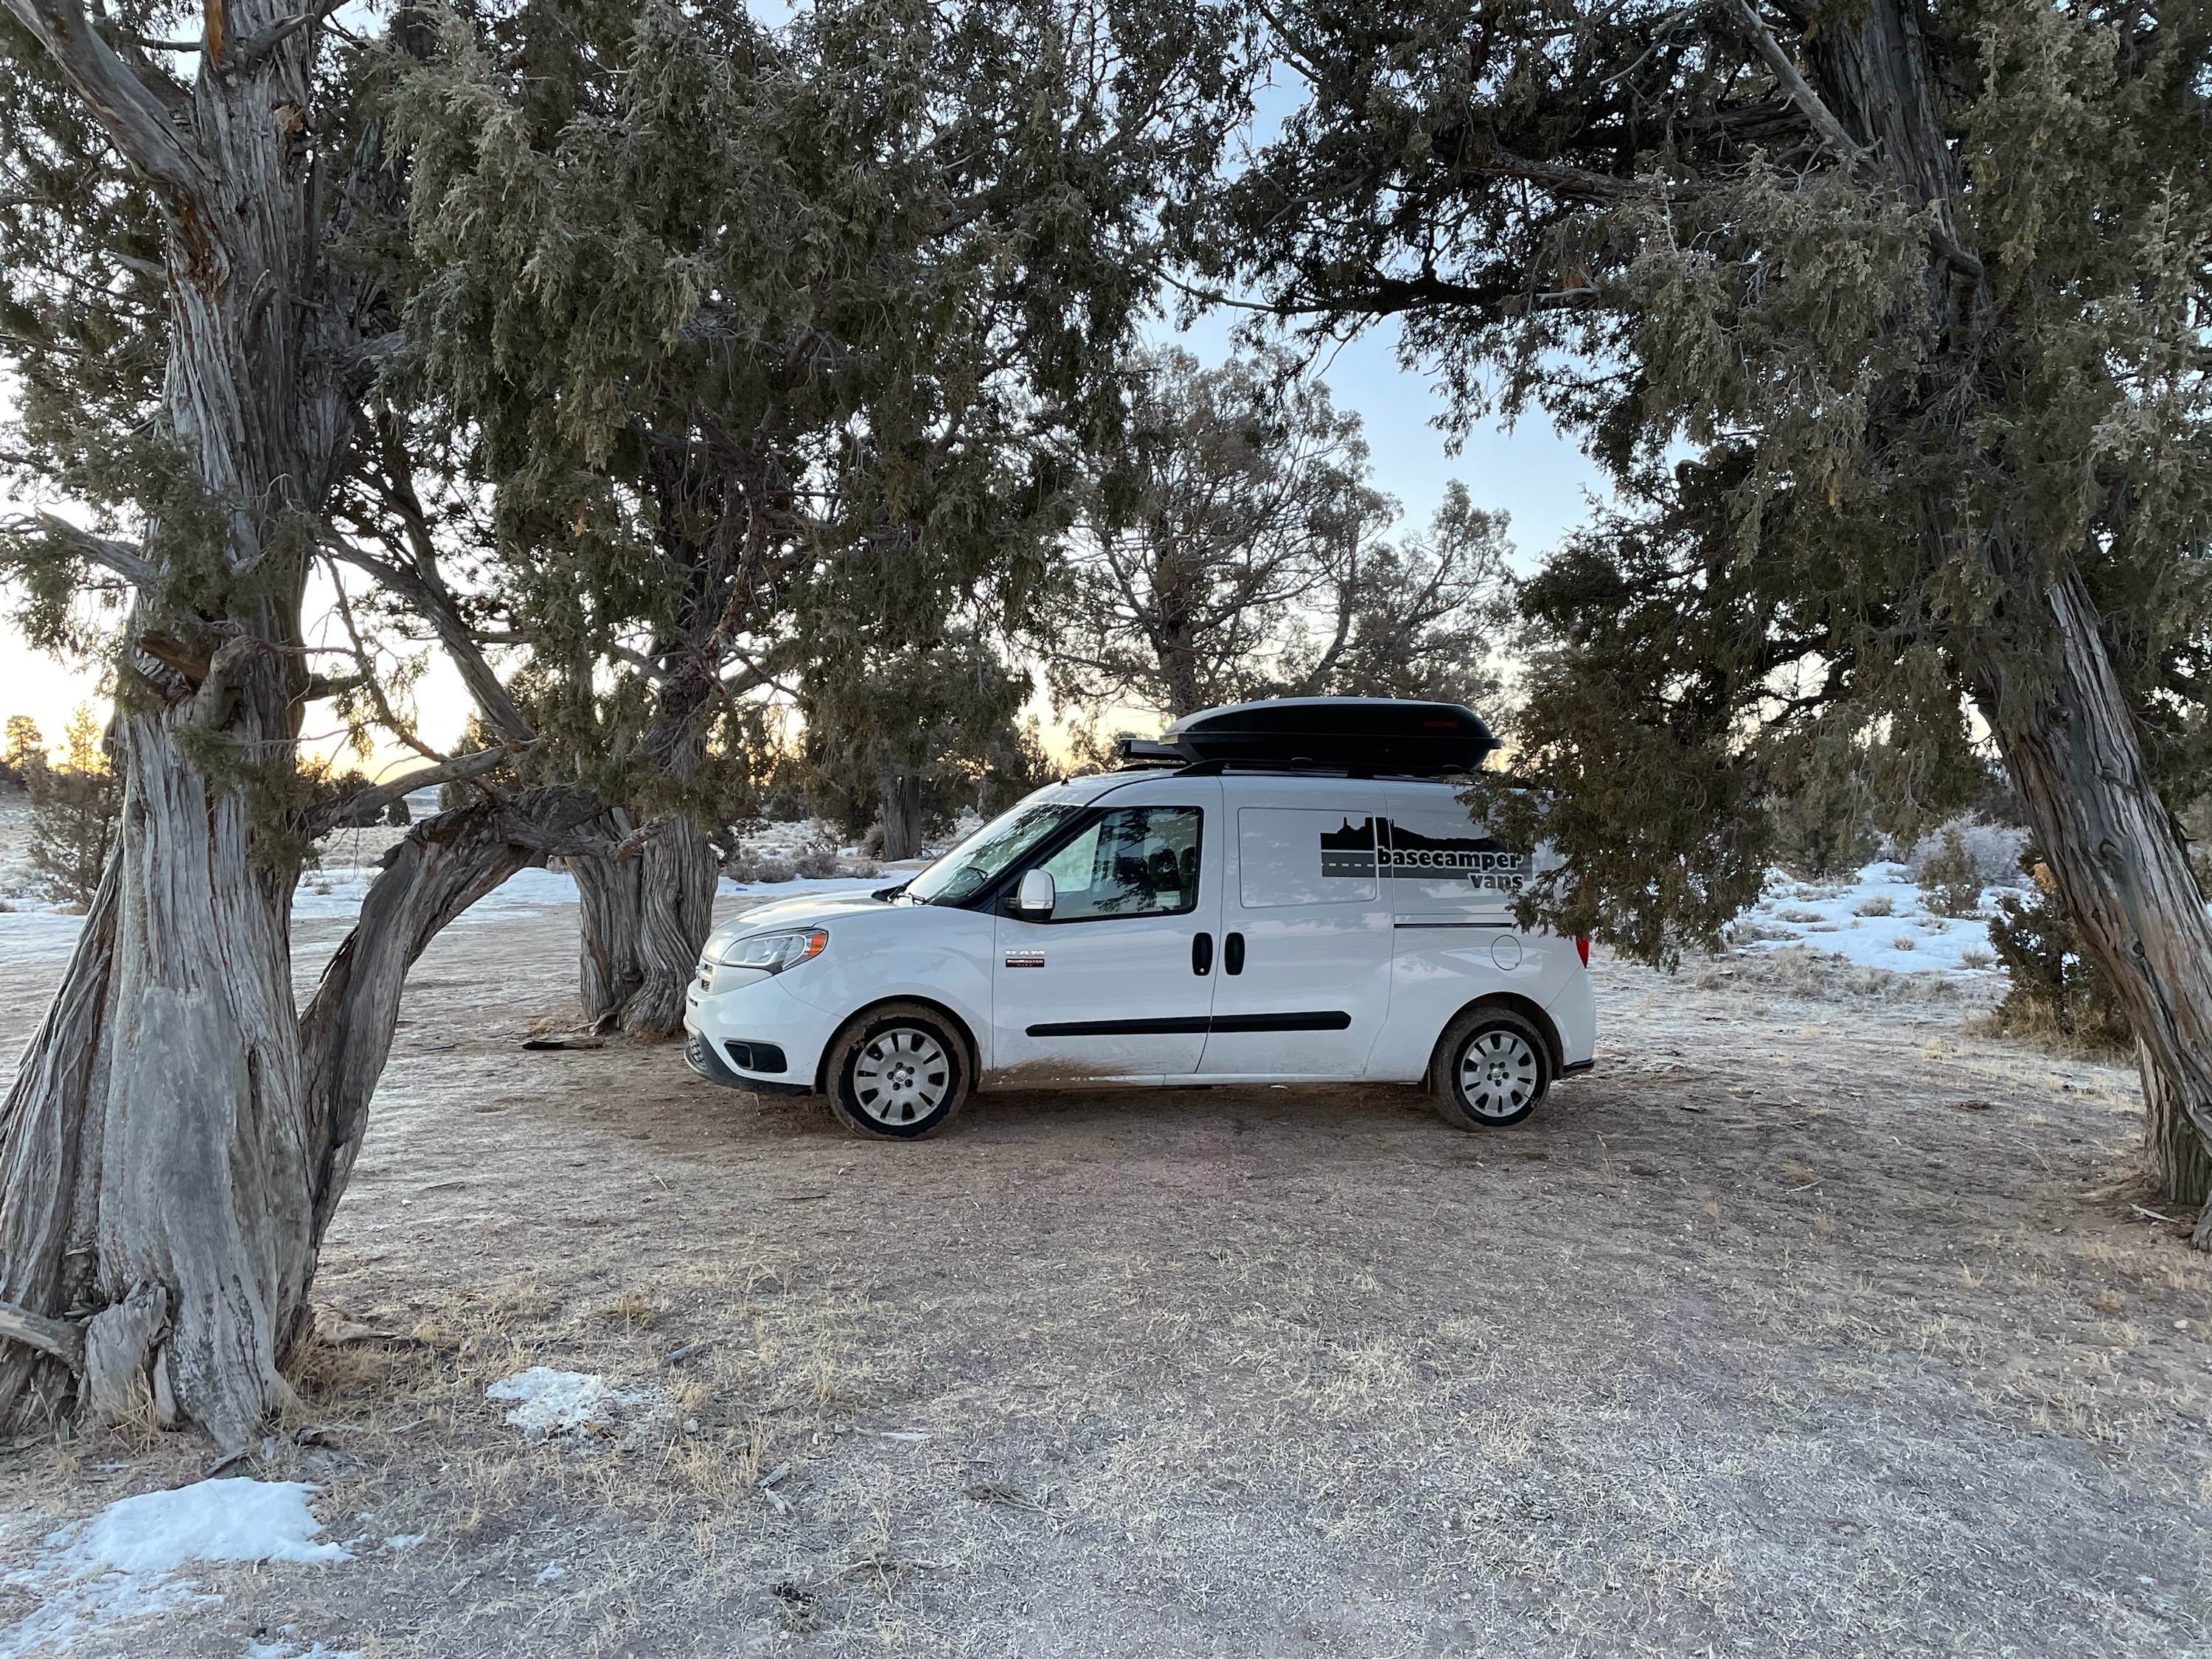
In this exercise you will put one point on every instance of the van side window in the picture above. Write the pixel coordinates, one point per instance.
(1306, 855)
(1135, 861)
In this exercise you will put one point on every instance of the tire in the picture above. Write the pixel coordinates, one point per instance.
(898, 1071)
(1492, 1068)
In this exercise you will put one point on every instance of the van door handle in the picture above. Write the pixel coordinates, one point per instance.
(1232, 953)
(1201, 953)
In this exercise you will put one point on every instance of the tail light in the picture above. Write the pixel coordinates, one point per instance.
(1582, 948)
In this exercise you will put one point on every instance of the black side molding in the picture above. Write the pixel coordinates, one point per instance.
(1321, 1022)
(1333, 1020)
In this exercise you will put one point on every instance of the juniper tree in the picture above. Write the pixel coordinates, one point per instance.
(911, 735)
(1233, 545)
(731, 309)
(1888, 321)
(193, 310)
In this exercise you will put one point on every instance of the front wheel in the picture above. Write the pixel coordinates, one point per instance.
(898, 1071)
(1493, 1069)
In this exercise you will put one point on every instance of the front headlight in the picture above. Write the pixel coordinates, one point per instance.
(774, 952)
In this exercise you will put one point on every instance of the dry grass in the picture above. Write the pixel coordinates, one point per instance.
(1747, 1343)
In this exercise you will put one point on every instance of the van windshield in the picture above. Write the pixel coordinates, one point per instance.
(973, 864)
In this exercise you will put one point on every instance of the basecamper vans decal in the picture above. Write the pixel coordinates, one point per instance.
(1360, 850)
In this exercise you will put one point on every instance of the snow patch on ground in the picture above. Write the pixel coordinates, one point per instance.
(38, 932)
(1911, 940)
(551, 1405)
(121, 1564)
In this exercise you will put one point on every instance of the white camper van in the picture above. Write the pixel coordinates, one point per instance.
(1276, 892)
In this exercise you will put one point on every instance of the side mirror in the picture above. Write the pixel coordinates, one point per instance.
(1036, 896)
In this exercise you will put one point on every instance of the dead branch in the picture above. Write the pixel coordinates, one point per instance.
(57, 1337)
(373, 800)
(132, 116)
(1809, 104)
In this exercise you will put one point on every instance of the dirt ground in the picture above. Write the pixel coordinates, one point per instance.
(1810, 1323)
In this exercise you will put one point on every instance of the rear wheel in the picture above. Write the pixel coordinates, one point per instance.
(898, 1071)
(1493, 1069)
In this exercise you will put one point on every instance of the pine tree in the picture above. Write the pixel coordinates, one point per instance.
(1232, 545)
(1887, 325)
(22, 750)
(77, 803)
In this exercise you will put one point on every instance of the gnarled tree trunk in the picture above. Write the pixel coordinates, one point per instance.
(2070, 742)
(643, 921)
(2044, 682)
(168, 1147)
(186, 1213)
(610, 909)
(902, 808)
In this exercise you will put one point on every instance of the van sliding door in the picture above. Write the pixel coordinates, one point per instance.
(1303, 982)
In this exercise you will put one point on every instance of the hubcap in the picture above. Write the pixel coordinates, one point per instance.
(900, 1076)
(1497, 1073)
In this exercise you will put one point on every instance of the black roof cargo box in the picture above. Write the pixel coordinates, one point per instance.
(1358, 734)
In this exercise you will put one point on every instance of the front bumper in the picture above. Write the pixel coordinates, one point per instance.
(739, 1026)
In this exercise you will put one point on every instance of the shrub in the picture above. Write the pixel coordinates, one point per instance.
(1950, 879)
(2054, 989)
(750, 867)
(1904, 942)
(1881, 905)
(818, 865)
(1977, 959)
(1995, 850)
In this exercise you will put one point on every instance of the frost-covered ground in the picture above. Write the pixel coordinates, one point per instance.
(1803, 1327)
(1878, 919)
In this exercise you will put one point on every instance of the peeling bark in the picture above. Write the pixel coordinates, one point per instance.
(443, 867)
(641, 923)
(2043, 678)
(158, 1177)
(610, 901)
(2070, 744)
(902, 808)
(676, 911)
(159, 1171)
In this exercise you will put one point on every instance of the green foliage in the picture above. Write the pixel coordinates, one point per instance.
(940, 719)
(1860, 412)
(2054, 989)
(1822, 805)
(1950, 880)
(766, 335)
(76, 807)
